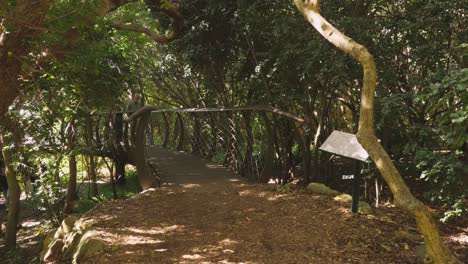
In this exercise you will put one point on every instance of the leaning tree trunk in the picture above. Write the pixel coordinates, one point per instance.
(436, 251)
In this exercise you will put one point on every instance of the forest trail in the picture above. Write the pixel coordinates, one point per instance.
(206, 214)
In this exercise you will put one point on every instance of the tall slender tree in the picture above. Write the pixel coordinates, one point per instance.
(436, 250)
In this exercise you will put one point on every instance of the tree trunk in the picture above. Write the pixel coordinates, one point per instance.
(118, 153)
(436, 251)
(71, 192)
(248, 164)
(93, 176)
(180, 142)
(303, 139)
(13, 192)
(268, 152)
(317, 137)
(92, 160)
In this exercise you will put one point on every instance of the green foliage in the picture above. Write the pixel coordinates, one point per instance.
(446, 173)
(81, 206)
(443, 161)
(131, 187)
(261, 52)
(452, 106)
(422, 96)
(49, 197)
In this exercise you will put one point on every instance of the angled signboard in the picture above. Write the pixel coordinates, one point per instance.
(346, 145)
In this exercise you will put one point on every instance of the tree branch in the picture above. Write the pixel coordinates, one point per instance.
(176, 27)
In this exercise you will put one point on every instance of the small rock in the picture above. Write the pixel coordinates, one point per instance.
(68, 223)
(48, 238)
(71, 242)
(82, 225)
(54, 251)
(365, 208)
(89, 246)
(59, 234)
(321, 188)
(343, 198)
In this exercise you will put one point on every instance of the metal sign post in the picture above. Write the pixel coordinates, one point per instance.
(346, 145)
(356, 187)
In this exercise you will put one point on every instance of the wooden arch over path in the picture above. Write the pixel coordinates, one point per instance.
(257, 142)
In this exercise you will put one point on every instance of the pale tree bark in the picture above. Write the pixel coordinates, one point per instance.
(436, 251)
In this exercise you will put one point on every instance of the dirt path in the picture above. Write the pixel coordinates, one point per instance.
(209, 215)
(206, 214)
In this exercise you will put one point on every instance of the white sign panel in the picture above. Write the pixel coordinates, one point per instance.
(345, 144)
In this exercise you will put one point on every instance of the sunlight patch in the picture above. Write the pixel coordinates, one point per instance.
(30, 223)
(276, 197)
(194, 256)
(213, 166)
(343, 210)
(138, 240)
(155, 230)
(460, 238)
(190, 185)
(228, 242)
(245, 193)
(225, 261)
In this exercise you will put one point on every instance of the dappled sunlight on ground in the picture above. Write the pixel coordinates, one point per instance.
(190, 185)
(156, 230)
(31, 223)
(227, 220)
(242, 225)
(127, 239)
(192, 257)
(28, 236)
(234, 180)
(102, 218)
(221, 219)
(223, 247)
(214, 166)
(261, 194)
(461, 236)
